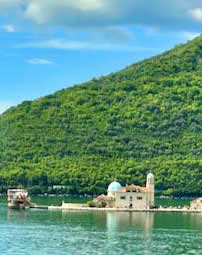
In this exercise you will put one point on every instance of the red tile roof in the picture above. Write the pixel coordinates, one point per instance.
(133, 188)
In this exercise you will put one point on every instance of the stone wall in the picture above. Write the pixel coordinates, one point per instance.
(196, 204)
(70, 205)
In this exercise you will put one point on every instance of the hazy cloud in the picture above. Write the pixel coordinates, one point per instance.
(189, 35)
(114, 34)
(62, 44)
(39, 61)
(174, 15)
(170, 14)
(7, 4)
(9, 28)
(4, 106)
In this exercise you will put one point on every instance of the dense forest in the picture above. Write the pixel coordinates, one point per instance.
(145, 117)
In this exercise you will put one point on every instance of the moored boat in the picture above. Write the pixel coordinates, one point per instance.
(18, 199)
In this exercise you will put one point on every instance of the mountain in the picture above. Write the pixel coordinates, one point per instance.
(145, 117)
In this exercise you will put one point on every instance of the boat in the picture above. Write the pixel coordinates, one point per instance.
(18, 199)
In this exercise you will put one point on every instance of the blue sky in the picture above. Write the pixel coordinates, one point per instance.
(47, 45)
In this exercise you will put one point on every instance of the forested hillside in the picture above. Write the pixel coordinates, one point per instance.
(145, 117)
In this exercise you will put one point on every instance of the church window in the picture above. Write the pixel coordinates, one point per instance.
(139, 198)
(122, 197)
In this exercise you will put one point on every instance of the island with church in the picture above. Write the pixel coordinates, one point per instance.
(129, 198)
(118, 198)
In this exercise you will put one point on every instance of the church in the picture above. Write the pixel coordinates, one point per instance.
(131, 196)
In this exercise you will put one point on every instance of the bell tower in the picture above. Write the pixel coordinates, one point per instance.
(151, 189)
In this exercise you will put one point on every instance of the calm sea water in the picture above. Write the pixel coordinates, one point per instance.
(42, 232)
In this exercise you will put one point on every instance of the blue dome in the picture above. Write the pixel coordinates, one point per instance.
(114, 186)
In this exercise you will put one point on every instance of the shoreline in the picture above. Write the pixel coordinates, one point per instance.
(85, 207)
(80, 208)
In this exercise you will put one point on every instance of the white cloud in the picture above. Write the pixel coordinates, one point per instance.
(35, 8)
(9, 28)
(39, 61)
(197, 14)
(67, 12)
(91, 13)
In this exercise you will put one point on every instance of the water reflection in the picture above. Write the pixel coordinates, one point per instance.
(196, 220)
(19, 215)
(110, 222)
(124, 221)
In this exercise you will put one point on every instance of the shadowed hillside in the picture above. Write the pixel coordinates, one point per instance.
(145, 117)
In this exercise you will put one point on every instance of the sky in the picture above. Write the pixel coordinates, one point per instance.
(47, 45)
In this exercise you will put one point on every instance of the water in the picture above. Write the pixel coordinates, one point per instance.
(42, 232)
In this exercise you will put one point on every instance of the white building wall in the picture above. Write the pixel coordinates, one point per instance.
(111, 193)
(134, 200)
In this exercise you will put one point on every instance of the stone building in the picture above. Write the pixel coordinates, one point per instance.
(130, 196)
(196, 205)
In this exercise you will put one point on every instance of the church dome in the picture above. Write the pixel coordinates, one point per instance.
(114, 186)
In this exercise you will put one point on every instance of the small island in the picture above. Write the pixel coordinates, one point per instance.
(131, 198)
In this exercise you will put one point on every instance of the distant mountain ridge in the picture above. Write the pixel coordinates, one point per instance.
(145, 117)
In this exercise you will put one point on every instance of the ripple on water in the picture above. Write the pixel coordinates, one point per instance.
(82, 233)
